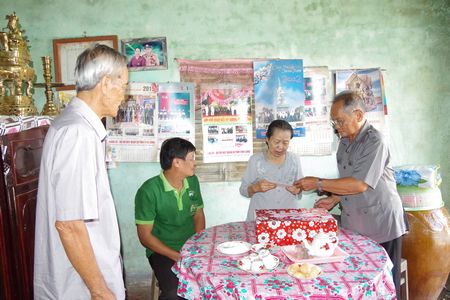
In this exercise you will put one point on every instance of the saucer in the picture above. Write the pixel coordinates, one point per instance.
(234, 247)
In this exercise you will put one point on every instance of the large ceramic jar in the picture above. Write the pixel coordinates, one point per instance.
(427, 250)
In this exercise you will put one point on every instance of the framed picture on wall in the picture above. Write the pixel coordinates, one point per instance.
(145, 53)
(66, 51)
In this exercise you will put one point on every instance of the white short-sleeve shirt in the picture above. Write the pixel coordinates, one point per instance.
(74, 185)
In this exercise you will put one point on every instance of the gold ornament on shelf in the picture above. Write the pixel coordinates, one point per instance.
(50, 109)
(16, 73)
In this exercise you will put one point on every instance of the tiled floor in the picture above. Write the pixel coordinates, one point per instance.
(139, 291)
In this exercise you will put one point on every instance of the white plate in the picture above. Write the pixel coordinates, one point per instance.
(263, 270)
(295, 270)
(291, 253)
(234, 247)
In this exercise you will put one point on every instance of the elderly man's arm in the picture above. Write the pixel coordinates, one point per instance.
(339, 186)
(77, 245)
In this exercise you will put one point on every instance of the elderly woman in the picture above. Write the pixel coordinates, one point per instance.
(270, 175)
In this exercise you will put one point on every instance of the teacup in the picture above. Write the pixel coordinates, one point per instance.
(270, 261)
(245, 263)
(263, 253)
(253, 256)
(257, 266)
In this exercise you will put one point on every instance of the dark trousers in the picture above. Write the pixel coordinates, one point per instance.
(167, 280)
(394, 250)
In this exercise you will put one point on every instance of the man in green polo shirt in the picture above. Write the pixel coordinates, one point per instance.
(169, 210)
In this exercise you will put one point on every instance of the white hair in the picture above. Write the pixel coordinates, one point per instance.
(351, 101)
(96, 62)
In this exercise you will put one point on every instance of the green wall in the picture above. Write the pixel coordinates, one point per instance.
(409, 39)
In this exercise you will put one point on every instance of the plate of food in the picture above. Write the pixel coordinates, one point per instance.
(298, 253)
(304, 270)
(234, 247)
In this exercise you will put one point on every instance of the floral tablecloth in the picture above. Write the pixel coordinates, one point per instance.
(205, 273)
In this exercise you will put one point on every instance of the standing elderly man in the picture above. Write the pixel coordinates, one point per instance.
(366, 188)
(77, 244)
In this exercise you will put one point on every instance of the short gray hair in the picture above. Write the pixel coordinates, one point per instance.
(94, 63)
(351, 100)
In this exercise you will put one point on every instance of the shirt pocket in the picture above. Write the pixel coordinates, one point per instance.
(368, 210)
(365, 220)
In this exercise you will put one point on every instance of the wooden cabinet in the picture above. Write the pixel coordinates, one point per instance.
(18, 191)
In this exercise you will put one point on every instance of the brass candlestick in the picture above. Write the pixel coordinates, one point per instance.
(50, 109)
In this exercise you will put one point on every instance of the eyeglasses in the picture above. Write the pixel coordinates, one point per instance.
(340, 122)
(189, 159)
(336, 123)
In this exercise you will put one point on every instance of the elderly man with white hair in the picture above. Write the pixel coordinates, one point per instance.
(365, 190)
(77, 242)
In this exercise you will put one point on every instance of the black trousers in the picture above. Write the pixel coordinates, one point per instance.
(394, 250)
(168, 281)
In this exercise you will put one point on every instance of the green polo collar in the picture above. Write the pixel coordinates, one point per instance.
(168, 187)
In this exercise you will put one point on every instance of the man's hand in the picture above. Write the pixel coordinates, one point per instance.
(103, 295)
(327, 203)
(307, 183)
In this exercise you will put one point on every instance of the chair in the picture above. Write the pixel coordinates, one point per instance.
(154, 288)
(404, 280)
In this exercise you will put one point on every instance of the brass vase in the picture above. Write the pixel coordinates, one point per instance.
(16, 73)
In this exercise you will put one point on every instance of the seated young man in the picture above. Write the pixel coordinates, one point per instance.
(168, 210)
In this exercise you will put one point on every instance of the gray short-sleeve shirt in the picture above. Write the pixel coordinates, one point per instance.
(378, 212)
(258, 168)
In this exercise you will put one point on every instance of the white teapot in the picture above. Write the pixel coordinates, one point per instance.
(323, 244)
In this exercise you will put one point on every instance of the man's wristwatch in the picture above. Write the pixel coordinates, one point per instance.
(319, 186)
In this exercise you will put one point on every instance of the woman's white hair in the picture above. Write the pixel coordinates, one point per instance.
(96, 62)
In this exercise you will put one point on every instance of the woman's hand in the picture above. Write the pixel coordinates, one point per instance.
(263, 186)
(294, 190)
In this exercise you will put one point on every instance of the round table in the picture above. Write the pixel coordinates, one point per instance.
(205, 273)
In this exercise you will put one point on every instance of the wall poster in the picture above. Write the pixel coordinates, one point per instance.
(227, 122)
(318, 137)
(132, 134)
(176, 111)
(279, 94)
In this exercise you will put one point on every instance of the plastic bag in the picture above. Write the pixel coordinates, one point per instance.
(425, 176)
